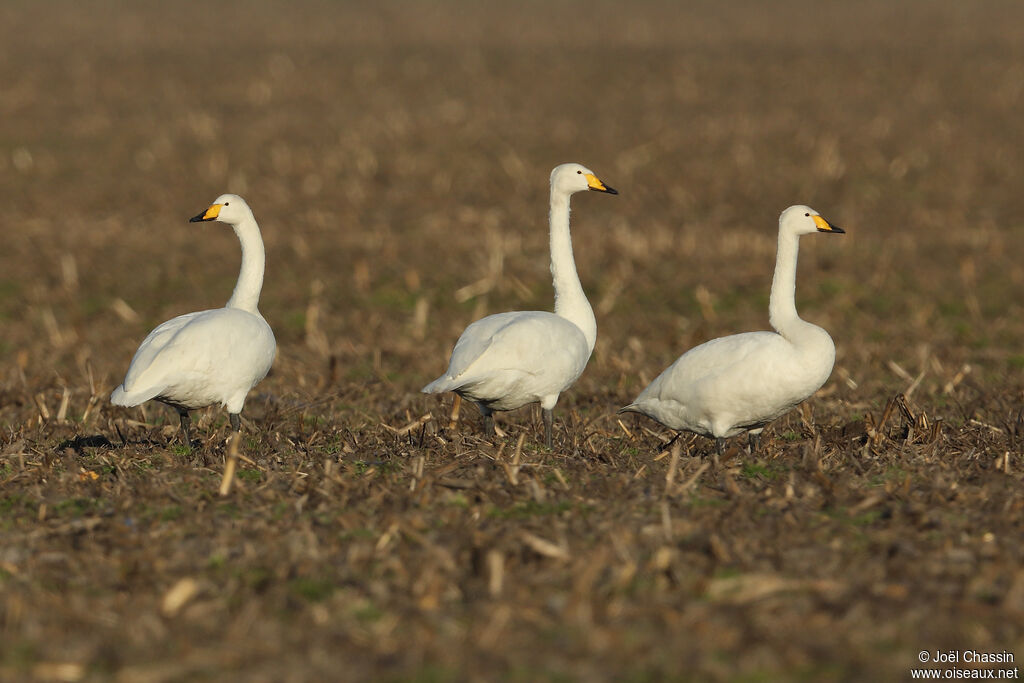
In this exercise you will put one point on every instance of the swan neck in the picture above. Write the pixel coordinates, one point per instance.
(250, 278)
(782, 305)
(570, 299)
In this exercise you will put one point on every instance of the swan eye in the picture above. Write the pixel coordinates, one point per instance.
(806, 214)
(579, 172)
(227, 203)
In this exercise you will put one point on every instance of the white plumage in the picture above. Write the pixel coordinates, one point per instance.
(508, 360)
(742, 382)
(209, 357)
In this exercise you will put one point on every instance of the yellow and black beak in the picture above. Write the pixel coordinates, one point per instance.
(208, 215)
(597, 186)
(825, 226)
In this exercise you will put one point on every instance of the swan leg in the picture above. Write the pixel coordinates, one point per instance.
(549, 418)
(672, 441)
(186, 426)
(488, 419)
(720, 445)
(754, 436)
(236, 422)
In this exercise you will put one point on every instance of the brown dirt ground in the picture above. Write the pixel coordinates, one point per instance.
(397, 152)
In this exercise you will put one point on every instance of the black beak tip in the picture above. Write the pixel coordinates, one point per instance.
(837, 229)
(610, 190)
(197, 219)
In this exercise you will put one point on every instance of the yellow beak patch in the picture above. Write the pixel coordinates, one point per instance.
(823, 225)
(594, 183)
(212, 212)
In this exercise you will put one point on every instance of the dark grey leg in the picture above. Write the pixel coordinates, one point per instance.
(549, 418)
(186, 426)
(720, 445)
(488, 419)
(755, 441)
(673, 440)
(236, 422)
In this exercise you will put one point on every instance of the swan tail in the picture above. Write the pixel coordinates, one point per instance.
(120, 397)
(438, 386)
(640, 409)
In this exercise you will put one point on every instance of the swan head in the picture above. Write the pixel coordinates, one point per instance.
(571, 178)
(803, 220)
(227, 208)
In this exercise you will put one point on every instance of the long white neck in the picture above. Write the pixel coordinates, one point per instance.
(782, 306)
(570, 300)
(250, 278)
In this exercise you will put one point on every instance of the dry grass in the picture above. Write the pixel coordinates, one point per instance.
(396, 157)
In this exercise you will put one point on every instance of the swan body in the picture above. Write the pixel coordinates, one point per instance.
(507, 360)
(742, 382)
(209, 357)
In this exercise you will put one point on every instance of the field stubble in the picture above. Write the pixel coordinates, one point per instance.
(396, 158)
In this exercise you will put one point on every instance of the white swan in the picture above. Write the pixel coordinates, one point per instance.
(507, 360)
(742, 382)
(208, 357)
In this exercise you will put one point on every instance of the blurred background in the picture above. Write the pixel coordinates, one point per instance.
(397, 153)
